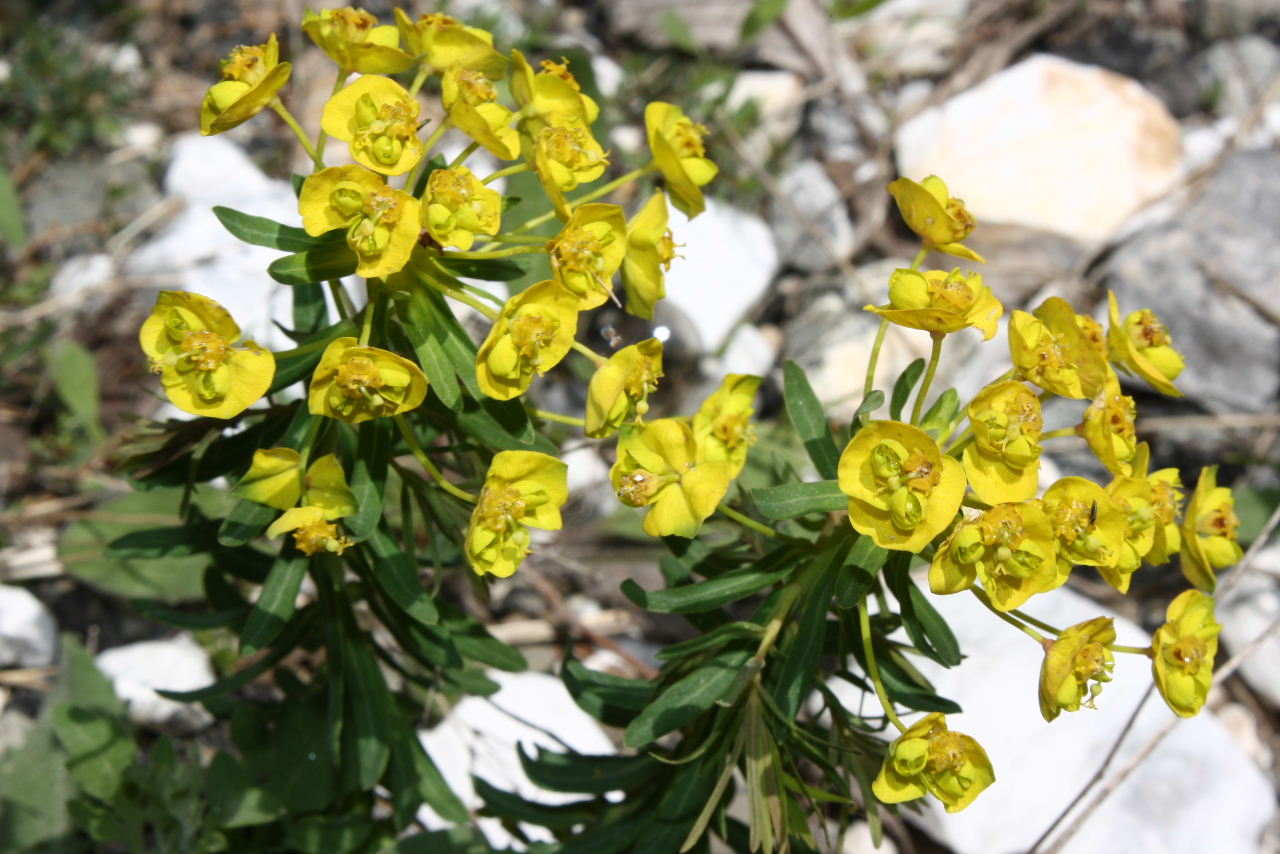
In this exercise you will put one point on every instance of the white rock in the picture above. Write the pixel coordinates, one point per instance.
(749, 351)
(1051, 144)
(143, 136)
(28, 632)
(1246, 611)
(609, 74)
(82, 273)
(909, 38)
(779, 97)
(628, 138)
(812, 203)
(174, 664)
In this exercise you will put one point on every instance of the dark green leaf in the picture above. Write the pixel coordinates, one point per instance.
(169, 541)
(275, 605)
(453, 840)
(414, 778)
(398, 578)
(324, 834)
(902, 388)
(714, 592)
(488, 269)
(793, 671)
(515, 808)
(329, 261)
(425, 327)
(233, 799)
(436, 162)
(852, 584)
(368, 722)
(612, 700)
(158, 612)
(246, 520)
(502, 425)
(284, 644)
(684, 700)
(873, 401)
(866, 554)
(369, 476)
(13, 228)
(925, 626)
(593, 775)
(718, 636)
(762, 14)
(310, 313)
(469, 681)
(477, 644)
(940, 414)
(74, 372)
(810, 421)
(793, 500)
(261, 231)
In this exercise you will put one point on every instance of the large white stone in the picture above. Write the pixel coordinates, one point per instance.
(174, 664)
(28, 633)
(1051, 144)
(1246, 611)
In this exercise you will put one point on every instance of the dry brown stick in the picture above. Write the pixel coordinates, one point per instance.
(1226, 421)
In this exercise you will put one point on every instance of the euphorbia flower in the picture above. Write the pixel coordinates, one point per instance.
(1109, 427)
(930, 211)
(1049, 349)
(676, 143)
(1182, 653)
(650, 249)
(275, 479)
(722, 425)
(1075, 666)
(1142, 345)
(444, 43)
(353, 39)
(1166, 501)
(1135, 496)
(534, 332)
(1009, 548)
(550, 98)
(563, 158)
(1209, 531)
(378, 119)
(621, 387)
(253, 74)
(312, 531)
(473, 107)
(191, 342)
(458, 207)
(1003, 463)
(523, 490)
(937, 301)
(355, 383)
(1087, 525)
(902, 490)
(930, 758)
(657, 467)
(382, 224)
(588, 251)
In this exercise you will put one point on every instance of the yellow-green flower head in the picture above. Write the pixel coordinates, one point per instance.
(550, 98)
(658, 468)
(378, 119)
(275, 479)
(937, 301)
(534, 332)
(443, 43)
(1009, 548)
(621, 387)
(253, 74)
(355, 383)
(588, 251)
(1166, 502)
(312, 533)
(1049, 349)
(650, 249)
(1075, 666)
(1094, 334)
(563, 158)
(722, 425)
(1133, 496)
(191, 341)
(1003, 463)
(523, 490)
(353, 39)
(1142, 345)
(472, 103)
(1183, 650)
(382, 224)
(930, 211)
(929, 758)
(676, 143)
(902, 490)
(1109, 428)
(1209, 531)
(458, 207)
(1087, 525)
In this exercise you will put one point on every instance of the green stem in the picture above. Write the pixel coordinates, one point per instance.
(421, 456)
(1013, 621)
(466, 152)
(1060, 433)
(785, 601)
(343, 74)
(370, 309)
(1132, 650)
(1039, 624)
(589, 197)
(590, 354)
(873, 669)
(308, 441)
(496, 253)
(424, 71)
(934, 355)
(510, 170)
(558, 418)
(875, 357)
(482, 293)
(455, 294)
(283, 112)
(341, 299)
(920, 256)
(434, 138)
(747, 522)
(519, 238)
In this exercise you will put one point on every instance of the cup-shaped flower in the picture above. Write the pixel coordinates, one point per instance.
(1009, 548)
(676, 143)
(929, 758)
(550, 98)
(378, 119)
(275, 479)
(472, 103)
(938, 301)
(1109, 427)
(1182, 652)
(1003, 463)
(650, 249)
(354, 383)
(588, 251)
(382, 224)
(252, 75)
(722, 425)
(1087, 525)
(1209, 531)
(1133, 495)
(443, 43)
(458, 207)
(930, 211)
(354, 39)
(1049, 349)
(658, 468)
(523, 490)
(191, 341)
(563, 158)
(1142, 345)
(620, 388)
(312, 532)
(902, 490)
(534, 332)
(1075, 666)
(1166, 502)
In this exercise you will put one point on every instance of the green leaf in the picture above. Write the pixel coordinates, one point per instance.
(284, 644)
(436, 162)
(473, 641)
(793, 500)
(612, 700)
(300, 763)
(763, 14)
(323, 834)
(169, 541)
(488, 269)
(369, 476)
(810, 421)
(13, 228)
(152, 610)
(686, 699)
(940, 414)
(902, 388)
(331, 260)
(370, 706)
(426, 326)
(233, 799)
(398, 578)
(925, 626)
(873, 401)
(718, 636)
(793, 671)
(852, 584)
(715, 592)
(414, 778)
(261, 231)
(593, 775)
(502, 425)
(452, 840)
(676, 29)
(866, 554)
(310, 313)
(74, 372)
(515, 808)
(246, 520)
(275, 605)
(99, 745)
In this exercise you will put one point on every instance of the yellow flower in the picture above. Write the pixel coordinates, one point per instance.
(722, 425)
(1088, 526)
(930, 211)
(534, 332)
(1109, 428)
(354, 383)
(378, 119)
(443, 43)
(621, 387)
(676, 143)
(657, 467)
(1009, 548)
(1049, 349)
(458, 207)
(588, 251)
(1142, 345)
(936, 301)
(928, 757)
(353, 39)
(190, 341)
(472, 104)
(275, 479)
(312, 533)
(1080, 656)
(650, 249)
(523, 490)
(1166, 502)
(550, 98)
(1003, 463)
(1182, 653)
(1209, 531)
(253, 75)
(1135, 495)
(382, 224)
(563, 158)
(902, 490)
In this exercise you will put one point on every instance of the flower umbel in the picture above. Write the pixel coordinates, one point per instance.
(1003, 463)
(563, 158)
(930, 758)
(1142, 345)
(253, 75)
(650, 249)
(1009, 548)
(533, 333)
(588, 251)
(938, 301)
(621, 387)
(378, 119)
(722, 425)
(523, 489)
(657, 467)
(1049, 349)
(382, 224)
(275, 479)
(458, 207)
(354, 39)
(1109, 427)
(312, 532)
(676, 143)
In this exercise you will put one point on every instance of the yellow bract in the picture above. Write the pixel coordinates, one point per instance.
(621, 387)
(930, 211)
(722, 425)
(253, 75)
(937, 301)
(312, 532)
(1109, 427)
(275, 479)
(472, 104)
(458, 207)
(1142, 345)
(533, 333)
(378, 119)
(588, 251)
(1088, 526)
(191, 342)
(1209, 531)
(650, 249)
(353, 39)
(443, 43)
(523, 489)
(550, 98)
(1003, 463)
(1009, 548)
(676, 144)
(1075, 666)
(658, 468)
(563, 158)
(1049, 349)
(1166, 501)
(928, 757)
(1183, 650)
(354, 383)
(382, 224)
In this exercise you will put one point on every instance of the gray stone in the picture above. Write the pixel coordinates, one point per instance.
(908, 38)
(811, 203)
(1225, 18)
(28, 632)
(1246, 611)
(1235, 74)
(175, 664)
